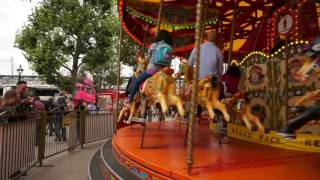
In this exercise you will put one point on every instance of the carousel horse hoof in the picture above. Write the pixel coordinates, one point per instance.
(287, 136)
(127, 121)
(267, 130)
(297, 109)
(254, 129)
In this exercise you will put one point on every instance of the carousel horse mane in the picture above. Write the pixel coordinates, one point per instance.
(311, 61)
(142, 64)
(168, 70)
(307, 68)
(186, 70)
(239, 105)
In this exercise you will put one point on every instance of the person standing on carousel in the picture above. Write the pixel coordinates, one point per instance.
(231, 80)
(163, 37)
(211, 60)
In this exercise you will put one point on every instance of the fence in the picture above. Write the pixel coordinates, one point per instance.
(27, 139)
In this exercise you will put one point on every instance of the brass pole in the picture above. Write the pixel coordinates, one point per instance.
(195, 85)
(160, 16)
(145, 40)
(259, 31)
(203, 25)
(118, 75)
(233, 25)
(179, 78)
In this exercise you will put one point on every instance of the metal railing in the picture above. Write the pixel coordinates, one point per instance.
(27, 139)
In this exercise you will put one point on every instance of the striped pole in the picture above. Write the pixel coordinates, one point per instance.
(195, 85)
(160, 16)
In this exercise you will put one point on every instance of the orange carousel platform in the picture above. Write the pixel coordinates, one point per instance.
(164, 156)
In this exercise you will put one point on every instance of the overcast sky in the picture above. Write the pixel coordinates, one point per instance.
(13, 14)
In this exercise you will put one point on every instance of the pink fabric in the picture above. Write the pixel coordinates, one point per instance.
(231, 83)
(38, 106)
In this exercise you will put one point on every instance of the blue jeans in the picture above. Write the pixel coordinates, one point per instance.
(59, 130)
(140, 79)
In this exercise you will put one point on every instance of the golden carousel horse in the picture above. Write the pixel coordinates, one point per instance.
(244, 111)
(208, 96)
(308, 67)
(142, 64)
(310, 115)
(158, 89)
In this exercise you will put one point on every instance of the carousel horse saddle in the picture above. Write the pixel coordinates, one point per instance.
(168, 70)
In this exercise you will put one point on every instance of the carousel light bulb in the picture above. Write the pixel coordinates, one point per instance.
(283, 47)
(291, 43)
(301, 42)
(297, 42)
(307, 42)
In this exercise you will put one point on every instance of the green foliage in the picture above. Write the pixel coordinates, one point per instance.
(129, 47)
(103, 79)
(105, 74)
(61, 36)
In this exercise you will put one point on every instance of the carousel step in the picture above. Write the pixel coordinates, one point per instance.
(94, 167)
(113, 165)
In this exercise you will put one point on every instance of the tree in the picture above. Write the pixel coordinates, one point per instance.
(102, 79)
(61, 36)
(105, 75)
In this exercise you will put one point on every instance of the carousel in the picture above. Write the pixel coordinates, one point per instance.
(268, 130)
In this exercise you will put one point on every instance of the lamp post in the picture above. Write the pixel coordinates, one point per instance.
(20, 71)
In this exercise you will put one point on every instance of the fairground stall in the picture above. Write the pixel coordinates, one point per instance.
(274, 43)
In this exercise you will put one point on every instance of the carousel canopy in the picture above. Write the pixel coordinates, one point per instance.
(140, 18)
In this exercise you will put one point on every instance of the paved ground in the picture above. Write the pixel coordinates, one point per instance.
(67, 166)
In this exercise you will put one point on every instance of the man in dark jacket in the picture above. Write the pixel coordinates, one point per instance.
(60, 106)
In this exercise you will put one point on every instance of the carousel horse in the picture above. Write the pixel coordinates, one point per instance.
(142, 64)
(160, 88)
(311, 63)
(244, 111)
(307, 67)
(311, 114)
(208, 96)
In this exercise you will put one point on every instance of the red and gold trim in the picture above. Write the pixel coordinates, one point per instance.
(121, 6)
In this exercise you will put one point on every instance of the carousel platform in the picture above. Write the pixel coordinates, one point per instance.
(164, 156)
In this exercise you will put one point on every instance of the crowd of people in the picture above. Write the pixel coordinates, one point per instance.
(17, 105)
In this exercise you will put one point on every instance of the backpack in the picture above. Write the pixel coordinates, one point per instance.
(162, 54)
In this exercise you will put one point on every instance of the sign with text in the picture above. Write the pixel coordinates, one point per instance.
(302, 142)
(66, 121)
